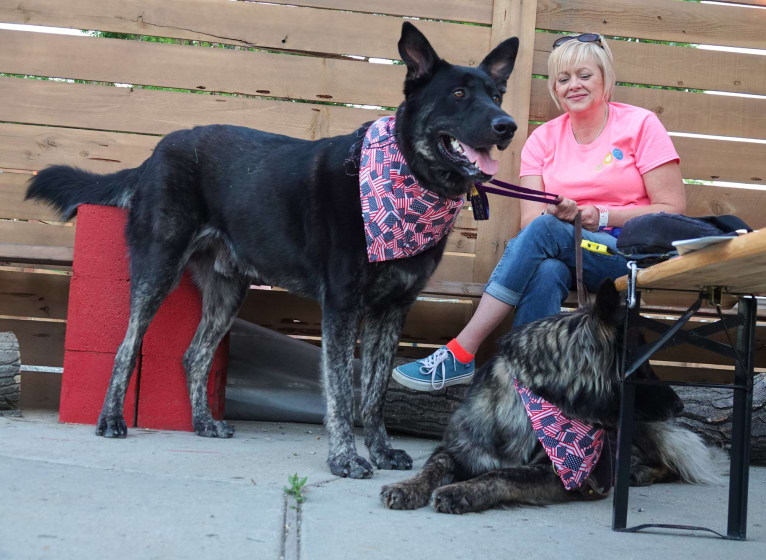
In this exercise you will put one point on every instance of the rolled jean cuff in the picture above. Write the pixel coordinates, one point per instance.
(500, 292)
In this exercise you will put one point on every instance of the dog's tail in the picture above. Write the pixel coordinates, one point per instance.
(684, 452)
(65, 187)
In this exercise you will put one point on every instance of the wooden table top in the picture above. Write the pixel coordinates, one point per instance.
(737, 266)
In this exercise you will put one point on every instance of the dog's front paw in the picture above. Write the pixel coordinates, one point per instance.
(403, 496)
(350, 466)
(112, 426)
(213, 428)
(392, 459)
(453, 499)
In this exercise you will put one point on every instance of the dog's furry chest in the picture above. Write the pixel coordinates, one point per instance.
(491, 429)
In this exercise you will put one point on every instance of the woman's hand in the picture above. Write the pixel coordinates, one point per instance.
(590, 217)
(566, 210)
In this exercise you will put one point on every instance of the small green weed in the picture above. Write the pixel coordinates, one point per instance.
(296, 487)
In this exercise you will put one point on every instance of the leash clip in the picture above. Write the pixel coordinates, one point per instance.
(632, 272)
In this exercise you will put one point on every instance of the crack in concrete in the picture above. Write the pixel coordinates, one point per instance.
(290, 548)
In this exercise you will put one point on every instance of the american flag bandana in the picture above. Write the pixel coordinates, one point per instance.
(572, 446)
(401, 218)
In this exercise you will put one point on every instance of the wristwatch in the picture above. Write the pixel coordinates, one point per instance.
(603, 216)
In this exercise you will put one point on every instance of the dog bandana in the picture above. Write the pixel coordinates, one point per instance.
(401, 218)
(572, 446)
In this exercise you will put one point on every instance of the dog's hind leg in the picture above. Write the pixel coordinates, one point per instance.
(222, 296)
(380, 335)
(415, 492)
(339, 330)
(151, 280)
(532, 484)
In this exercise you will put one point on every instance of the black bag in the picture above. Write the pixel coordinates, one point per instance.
(648, 238)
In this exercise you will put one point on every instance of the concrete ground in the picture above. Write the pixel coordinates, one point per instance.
(166, 495)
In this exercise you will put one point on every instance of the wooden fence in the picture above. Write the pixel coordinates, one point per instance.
(302, 67)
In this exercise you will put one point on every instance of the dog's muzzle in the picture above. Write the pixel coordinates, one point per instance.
(503, 127)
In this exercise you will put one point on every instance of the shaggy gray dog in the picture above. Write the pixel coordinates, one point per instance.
(490, 454)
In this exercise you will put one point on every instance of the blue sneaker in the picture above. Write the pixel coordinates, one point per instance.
(440, 369)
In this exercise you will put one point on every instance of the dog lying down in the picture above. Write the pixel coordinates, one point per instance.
(491, 454)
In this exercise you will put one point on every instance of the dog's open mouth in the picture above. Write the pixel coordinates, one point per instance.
(477, 159)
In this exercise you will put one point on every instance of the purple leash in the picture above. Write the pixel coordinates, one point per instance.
(480, 203)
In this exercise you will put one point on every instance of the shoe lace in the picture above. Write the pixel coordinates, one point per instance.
(434, 363)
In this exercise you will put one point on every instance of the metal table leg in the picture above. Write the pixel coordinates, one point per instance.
(741, 421)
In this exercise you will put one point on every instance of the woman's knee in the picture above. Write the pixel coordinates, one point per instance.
(552, 274)
(546, 230)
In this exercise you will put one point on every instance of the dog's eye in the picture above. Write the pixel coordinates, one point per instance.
(496, 99)
(459, 93)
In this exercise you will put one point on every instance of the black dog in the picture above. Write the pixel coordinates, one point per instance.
(490, 454)
(239, 206)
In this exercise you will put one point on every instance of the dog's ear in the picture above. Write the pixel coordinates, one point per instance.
(607, 301)
(417, 52)
(499, 63)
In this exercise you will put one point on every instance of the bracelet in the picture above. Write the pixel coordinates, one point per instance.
(603, 216)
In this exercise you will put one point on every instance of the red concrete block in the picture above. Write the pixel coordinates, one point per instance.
(174, 325)
(97, 315)
(163, 401)
(84, 384)
(100, 248)
(99, 308)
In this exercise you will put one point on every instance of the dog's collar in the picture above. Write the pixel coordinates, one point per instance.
(573, 447)
(401, 218)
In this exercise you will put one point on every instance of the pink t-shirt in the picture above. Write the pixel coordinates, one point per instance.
(606, 172)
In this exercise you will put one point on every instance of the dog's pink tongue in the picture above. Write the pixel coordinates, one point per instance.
(482, 159)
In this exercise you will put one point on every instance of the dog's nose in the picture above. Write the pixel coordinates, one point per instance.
(504, 126)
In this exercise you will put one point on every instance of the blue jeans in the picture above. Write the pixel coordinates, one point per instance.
(537, 269)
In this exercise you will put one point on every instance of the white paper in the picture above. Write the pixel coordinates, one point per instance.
(688, 245)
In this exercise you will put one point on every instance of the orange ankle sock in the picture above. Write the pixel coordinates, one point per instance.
(459, 352)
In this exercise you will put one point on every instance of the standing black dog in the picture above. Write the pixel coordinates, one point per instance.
(490, 454)
(239, 206)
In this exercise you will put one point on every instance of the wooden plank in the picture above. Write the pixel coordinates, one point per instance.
(159, 112)
(737, 265)
(455, 267)
(674, 66)
(13, 187)
(433, 322)
(697, 373)
(253, 25)
(40, 390)
(36, 233)
(203, 69)
(686, 353)
(25, 294)
(461, 241)
(475, 11)
(707, 200)
(34, 147)
(714, 160)
(35, 254)
(509, 18)
(679, 111)
(661, 20)
(41, 343)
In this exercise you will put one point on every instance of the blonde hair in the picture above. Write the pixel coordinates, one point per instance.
(573, 53)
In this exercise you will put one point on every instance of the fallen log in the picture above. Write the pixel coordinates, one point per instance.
(10, 376)
(706, 412)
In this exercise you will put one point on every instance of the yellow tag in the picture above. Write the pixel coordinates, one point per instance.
(594, 247)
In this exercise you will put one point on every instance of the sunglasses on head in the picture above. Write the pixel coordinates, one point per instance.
(583, 38)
